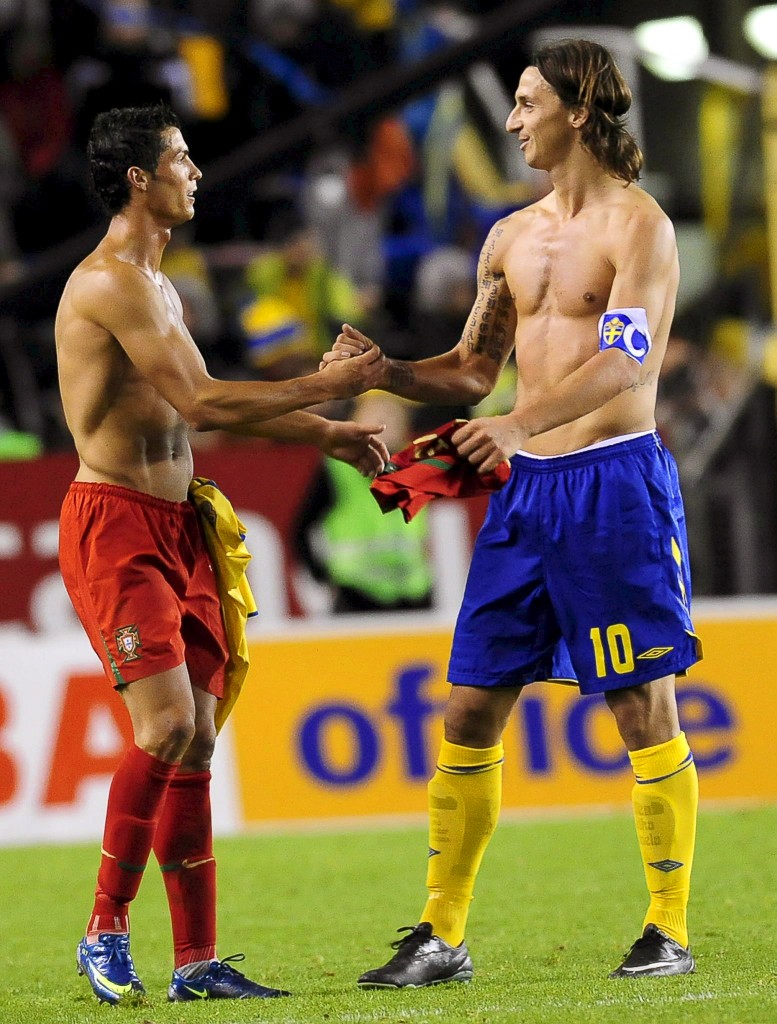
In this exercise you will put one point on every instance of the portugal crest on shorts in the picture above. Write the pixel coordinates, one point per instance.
(128, 643)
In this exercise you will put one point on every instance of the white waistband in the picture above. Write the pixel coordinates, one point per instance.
(588, 448)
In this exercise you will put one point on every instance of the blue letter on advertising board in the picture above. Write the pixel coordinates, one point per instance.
(412, 711)
(312, 744)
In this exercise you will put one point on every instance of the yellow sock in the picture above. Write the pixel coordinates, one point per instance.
(665, 799)
(465, 794)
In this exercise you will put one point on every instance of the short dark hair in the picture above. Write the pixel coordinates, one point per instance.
(584, 74)
(122, 138)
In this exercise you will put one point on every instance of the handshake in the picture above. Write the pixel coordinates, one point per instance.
(485, 443)
(356, 362)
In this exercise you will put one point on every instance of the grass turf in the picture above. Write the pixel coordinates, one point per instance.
(558, 903)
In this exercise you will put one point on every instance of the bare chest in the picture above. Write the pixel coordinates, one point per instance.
(559, 270)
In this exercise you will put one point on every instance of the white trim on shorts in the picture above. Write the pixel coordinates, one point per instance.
(589, 447)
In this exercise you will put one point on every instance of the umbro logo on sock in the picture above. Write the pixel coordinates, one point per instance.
(666, 865)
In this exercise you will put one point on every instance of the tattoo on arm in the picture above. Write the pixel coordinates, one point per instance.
(643, 383)
(488, 252)
(487, 331)
(401, 375)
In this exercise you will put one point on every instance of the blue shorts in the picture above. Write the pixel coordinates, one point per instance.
(580, 574)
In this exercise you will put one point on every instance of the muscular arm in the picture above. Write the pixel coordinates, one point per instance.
(296, 427)
(354, 443)
(143, 319)
(469, 371)
(644, 258)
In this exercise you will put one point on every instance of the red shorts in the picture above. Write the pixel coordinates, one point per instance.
(140, 578)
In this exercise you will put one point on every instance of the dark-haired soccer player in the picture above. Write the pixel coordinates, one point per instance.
(131, 551)
(580, 572)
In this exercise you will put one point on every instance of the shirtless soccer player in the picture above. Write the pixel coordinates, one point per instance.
(580, 572)
(132, 555)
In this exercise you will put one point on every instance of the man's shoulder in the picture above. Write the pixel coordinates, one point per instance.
(639, 206)
(514, 224)
(638, 229)
(635, 220)
(100, 277)
(524, 214)
(90, 270)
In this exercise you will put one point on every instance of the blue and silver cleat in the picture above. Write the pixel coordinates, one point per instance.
(108, 967)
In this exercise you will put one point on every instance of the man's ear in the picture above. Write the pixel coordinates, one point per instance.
(138, 178)
(579, 116)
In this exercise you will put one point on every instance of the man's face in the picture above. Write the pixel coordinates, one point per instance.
(541, 121)
(171, 190)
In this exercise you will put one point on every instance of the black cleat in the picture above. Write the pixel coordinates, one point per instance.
(655, 955)
(422, 959)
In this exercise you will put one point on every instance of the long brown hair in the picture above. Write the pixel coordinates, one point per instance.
(583, 74)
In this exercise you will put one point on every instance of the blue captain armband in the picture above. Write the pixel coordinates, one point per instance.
(626, 329)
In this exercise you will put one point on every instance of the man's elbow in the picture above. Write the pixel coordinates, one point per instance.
(211, 405)
(201, 425)
(200, 415)
(626, 372)
(632, 375)
(476, 387)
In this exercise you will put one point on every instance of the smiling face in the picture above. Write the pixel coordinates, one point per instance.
(544, 126)
(170, 191)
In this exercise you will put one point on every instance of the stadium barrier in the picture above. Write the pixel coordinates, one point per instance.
(341, 723)
(32, 596)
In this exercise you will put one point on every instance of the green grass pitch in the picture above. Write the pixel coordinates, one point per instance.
(558, 902)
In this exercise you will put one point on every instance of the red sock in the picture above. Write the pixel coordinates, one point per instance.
(135, 801)
(183, 845)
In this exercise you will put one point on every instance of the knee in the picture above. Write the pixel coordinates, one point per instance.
(199, 752)
(168, 736)
(634, 729)
(646, 716)
(467, 729)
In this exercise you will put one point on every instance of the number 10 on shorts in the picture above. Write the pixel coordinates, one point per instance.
(619, 648)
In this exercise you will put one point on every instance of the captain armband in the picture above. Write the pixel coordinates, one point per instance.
(626, 329)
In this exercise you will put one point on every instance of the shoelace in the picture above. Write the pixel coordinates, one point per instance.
(413, 929)
(115, 949)
(224, 965)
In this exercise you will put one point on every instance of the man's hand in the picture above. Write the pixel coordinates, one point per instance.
(487, 442)
(349, 342)
(353, 376)
(356, 444)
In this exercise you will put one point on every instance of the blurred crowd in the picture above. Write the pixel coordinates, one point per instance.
(379, 224)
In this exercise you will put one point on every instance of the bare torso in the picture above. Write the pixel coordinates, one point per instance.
(125, 432)
(559, 272)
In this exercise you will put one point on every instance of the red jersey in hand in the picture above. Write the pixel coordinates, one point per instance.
(430, 468)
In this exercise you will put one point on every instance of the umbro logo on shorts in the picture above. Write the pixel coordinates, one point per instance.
(655, 652)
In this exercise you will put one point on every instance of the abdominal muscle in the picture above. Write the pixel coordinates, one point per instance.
(142, 445)
(164, 472)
